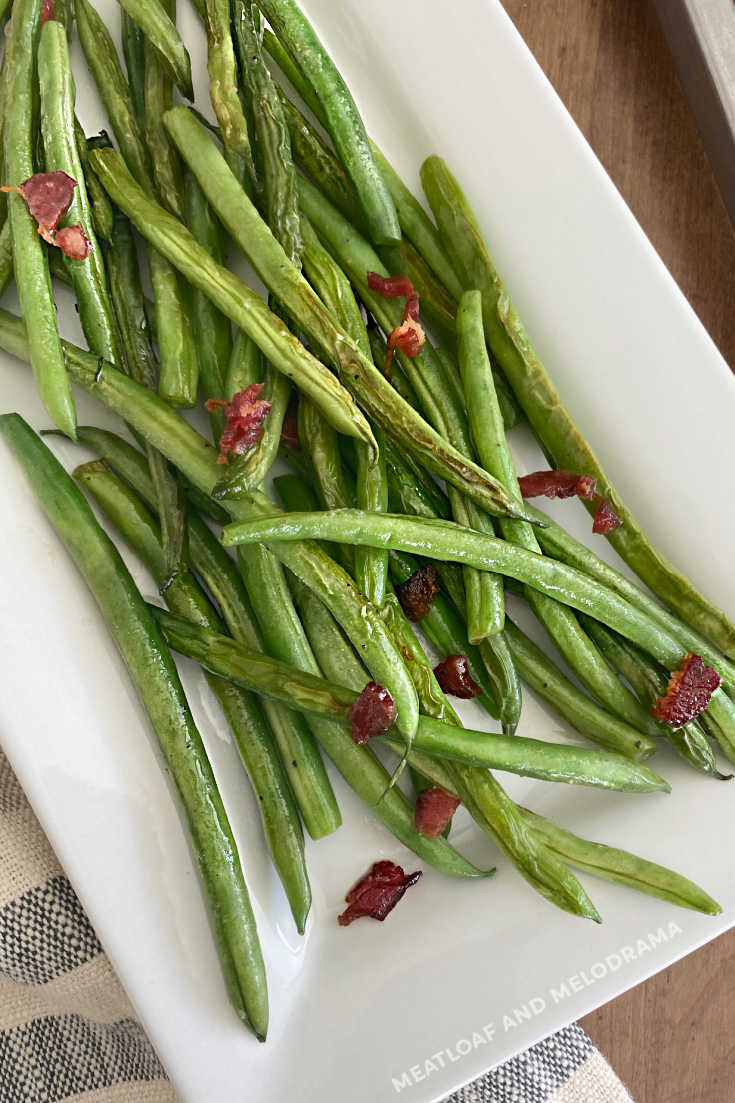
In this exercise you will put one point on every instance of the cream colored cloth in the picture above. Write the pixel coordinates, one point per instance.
(68, 1032)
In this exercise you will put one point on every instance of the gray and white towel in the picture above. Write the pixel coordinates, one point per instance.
(68, 1032)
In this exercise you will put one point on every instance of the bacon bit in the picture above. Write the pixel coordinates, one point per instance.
(417, 593)
(453, 675)
(605, 519)
(557, 484)
(688, 692)
(563, 484)
(48, 196)
(373, 713)
(377, 893)
(434, 809)
(245, 416)
(409, 336)
(73, 242)
(47, 11)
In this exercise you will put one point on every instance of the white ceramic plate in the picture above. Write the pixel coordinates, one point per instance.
(463, 974)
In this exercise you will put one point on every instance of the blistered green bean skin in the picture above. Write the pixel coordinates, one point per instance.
(233, 297)
(58, 126)
(157, 99)
(341, 115)
(273, 143)
(544, 409)
(29, 260)
(184, 596)
(624, 868)
(161, 32)
(154, 674)
(223, 92)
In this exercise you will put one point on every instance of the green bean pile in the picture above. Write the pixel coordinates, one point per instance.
(381, 472)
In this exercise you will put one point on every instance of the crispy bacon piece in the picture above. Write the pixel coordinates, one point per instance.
(453, 675)
(434, 809)
(409, 336)
(47, 11)
(557, 484)
(563, 484)
(48, 196)
(688, 692)
(73, 241)
(373, 713)
(244, 425)
(377, 893)
(417, 593)
(605, 519)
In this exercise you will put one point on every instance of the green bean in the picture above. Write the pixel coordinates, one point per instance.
(341, 115)
(230, 295)
(273, 142)
(179, 365)
(333, 288)
(446, 540)
(158, 98)
(537, 758)
(224, 94)
(489, 434)
(254, 671)
(127, 297)
(438, 309)
(160, 31)
(546, 413)
(220, 575)
(624, 868)
(29, 259)
(373, 391)
(154, 675)
(557, 543)
(197, 460)
(133, 45)
(57, 122)
(319, 443)
(316, 159)
(185, 597)
(212, 330)
(99, 203)
(577, 708)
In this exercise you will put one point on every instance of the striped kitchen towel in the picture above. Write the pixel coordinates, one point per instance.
(68, 1032)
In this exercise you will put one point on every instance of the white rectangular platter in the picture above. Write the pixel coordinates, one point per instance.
(462, 975)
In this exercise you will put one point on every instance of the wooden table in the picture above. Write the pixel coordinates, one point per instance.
(672, 1039)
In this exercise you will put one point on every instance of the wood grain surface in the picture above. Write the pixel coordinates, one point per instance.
(672, 1039)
